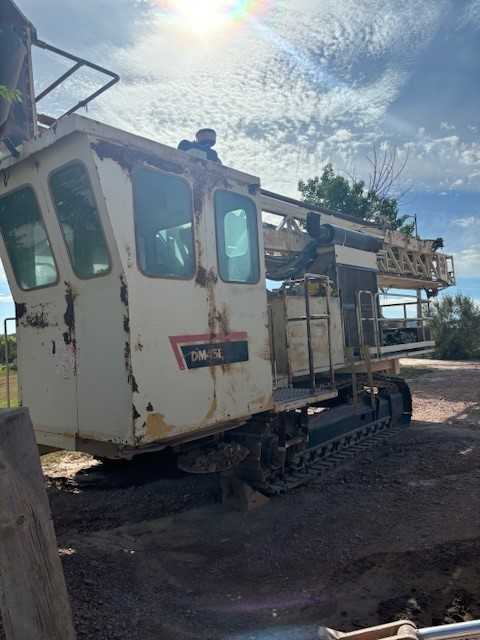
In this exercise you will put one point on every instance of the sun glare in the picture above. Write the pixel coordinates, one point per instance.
(202, 15)
(207, 16)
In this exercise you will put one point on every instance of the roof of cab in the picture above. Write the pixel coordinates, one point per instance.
(74, 123)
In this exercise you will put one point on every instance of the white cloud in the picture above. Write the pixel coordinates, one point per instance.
(467, 262)
(470, 16)
(282, 89)
(467, 221)
(341, 135)
(303, 83)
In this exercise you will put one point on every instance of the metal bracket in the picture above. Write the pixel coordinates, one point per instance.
(79, 63)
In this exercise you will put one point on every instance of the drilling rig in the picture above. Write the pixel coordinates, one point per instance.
(146, 314)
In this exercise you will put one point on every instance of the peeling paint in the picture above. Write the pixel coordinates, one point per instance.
(135, 414)
(127, 157)
(123, 290)
(37, 320)
(128, 251)
(69, 319)
(134, 384)
(20, 310)
(69, 315)
(127, 355)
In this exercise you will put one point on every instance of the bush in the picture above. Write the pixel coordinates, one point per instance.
(12, 350)
(456, 328)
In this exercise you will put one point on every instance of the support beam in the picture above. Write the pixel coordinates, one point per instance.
(33, 597)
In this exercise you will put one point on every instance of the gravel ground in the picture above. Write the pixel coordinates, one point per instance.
(394, 533)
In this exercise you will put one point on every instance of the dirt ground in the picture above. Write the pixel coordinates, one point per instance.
(150, 554)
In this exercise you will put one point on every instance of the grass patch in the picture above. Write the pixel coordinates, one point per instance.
(13, 389)
(415, 372)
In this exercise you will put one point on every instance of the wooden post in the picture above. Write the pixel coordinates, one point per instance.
(33, 596)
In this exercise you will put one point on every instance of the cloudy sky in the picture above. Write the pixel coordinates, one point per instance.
(292, 84)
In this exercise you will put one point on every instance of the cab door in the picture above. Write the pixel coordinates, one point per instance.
(237, 303)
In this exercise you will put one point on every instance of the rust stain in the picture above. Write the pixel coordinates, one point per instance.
(223, 319)
(212, 409)
(264, 353)
(156, 427)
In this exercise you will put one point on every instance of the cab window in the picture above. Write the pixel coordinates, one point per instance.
(163, 224)
(237, 238)
(26, 240)
(79, 220)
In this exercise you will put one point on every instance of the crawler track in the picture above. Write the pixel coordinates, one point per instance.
(274, 475)
(313, 463)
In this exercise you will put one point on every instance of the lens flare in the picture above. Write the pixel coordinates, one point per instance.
(205, 16)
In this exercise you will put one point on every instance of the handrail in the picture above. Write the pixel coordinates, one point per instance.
(6, 356)
(308, 317)
(374, 319)
(79, 63)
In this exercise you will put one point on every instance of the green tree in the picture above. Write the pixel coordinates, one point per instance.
(10, 95)
(371, 203)
(12, 349)
(456, 328)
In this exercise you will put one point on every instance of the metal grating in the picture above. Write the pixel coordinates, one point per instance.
(289, 398)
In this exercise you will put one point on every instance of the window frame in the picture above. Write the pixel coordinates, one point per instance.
(30, 185)
(156, 171)
(54, 208)
(217, 245)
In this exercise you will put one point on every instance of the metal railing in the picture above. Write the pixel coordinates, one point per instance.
(420, 320)
(374, 319)
(7, 358)
(469, 629)
(377, 319)
(308, 318)
(406, 630)
(79, 63)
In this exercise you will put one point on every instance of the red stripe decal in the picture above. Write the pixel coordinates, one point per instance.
(191, 338)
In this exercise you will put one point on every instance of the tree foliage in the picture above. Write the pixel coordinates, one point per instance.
(12, 349)
(10, 95)
(456, 328)
(371, 203)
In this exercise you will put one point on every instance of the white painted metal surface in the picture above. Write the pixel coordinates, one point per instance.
(102, 361)
(290, 335)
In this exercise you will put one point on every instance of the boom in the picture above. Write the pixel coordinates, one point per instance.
(403, 262)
